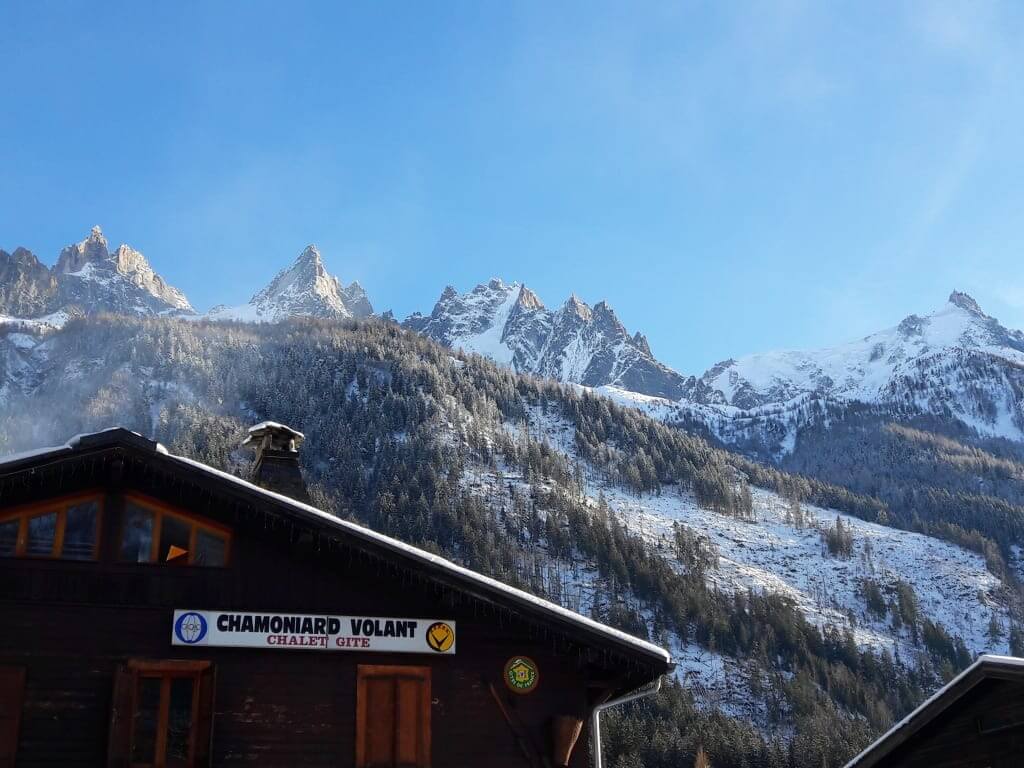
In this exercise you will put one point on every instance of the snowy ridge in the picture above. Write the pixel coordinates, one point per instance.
(89, 278)
(868, 369)
(956, 363)
(577, 343)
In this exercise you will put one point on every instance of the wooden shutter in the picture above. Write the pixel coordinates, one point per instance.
(392, 717)
(119, 740)
(12, 692)
(204, 717)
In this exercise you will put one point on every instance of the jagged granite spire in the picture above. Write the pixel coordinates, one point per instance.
(303, 289)
(27, 287)
(575, 343)
(95, 280)
(965, 301)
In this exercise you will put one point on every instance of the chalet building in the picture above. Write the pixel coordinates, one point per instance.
(976, 721)
(157, 612)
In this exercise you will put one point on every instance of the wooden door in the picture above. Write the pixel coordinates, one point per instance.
(12, 692)
(392, 717)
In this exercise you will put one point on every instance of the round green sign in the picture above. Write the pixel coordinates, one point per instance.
(521, 674)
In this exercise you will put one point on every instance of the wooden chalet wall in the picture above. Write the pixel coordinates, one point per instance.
(985, 729)
(71, 623)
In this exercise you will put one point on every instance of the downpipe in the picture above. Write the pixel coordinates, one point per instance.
(595, 717)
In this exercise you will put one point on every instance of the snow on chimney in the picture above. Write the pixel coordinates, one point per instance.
(277, 459)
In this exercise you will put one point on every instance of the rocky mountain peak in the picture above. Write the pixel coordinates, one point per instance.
(604, 311)
(528, 300)
(576, 343)
(21, 256)
(94, 279)
(641, 342)
(91, 250)
(356, 300)
(27, 287)
(310, 258)
(575, 307)
(966, 302)
(303, 289)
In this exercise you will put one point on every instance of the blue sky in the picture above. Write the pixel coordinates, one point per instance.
(731, 177)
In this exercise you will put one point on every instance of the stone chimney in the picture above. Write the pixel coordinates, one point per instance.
(277, 459)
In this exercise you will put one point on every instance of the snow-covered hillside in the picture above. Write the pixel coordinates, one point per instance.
(780, 552)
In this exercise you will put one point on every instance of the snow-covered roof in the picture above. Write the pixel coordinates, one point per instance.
(938, 702)
(486, 583)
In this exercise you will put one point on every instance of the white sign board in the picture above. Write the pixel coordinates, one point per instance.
(289, 631)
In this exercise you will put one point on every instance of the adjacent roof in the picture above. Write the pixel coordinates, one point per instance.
(469, 581)
(986, 667)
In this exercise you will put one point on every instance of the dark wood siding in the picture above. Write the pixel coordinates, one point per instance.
(71, 625)
(12, 690)
(955, 739)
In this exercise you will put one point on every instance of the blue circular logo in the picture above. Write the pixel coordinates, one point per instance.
(190, 628)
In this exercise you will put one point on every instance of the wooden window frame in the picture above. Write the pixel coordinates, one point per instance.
(365, 672)
(195, 523)
(60, 505)
(165, 671)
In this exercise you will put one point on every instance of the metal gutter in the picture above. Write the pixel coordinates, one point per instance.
(595, 717)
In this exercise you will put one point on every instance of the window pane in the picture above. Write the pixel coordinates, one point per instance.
(9, 537)
(179, 721)
(80, 531)
(41, 532)
(211, 549)
(147, 707)
(174, 540)
(138, 534)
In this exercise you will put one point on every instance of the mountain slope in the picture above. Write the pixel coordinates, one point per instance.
(575, 343)
(304, 289)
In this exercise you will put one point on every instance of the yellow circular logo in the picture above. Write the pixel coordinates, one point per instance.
(521, 674)
(440, 636)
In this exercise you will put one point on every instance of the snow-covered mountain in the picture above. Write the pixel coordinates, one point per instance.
(576, 343)
(94, 279)
(304, 289)
(28, 288)
(957, 365)
(874, 369)
(87, 278)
